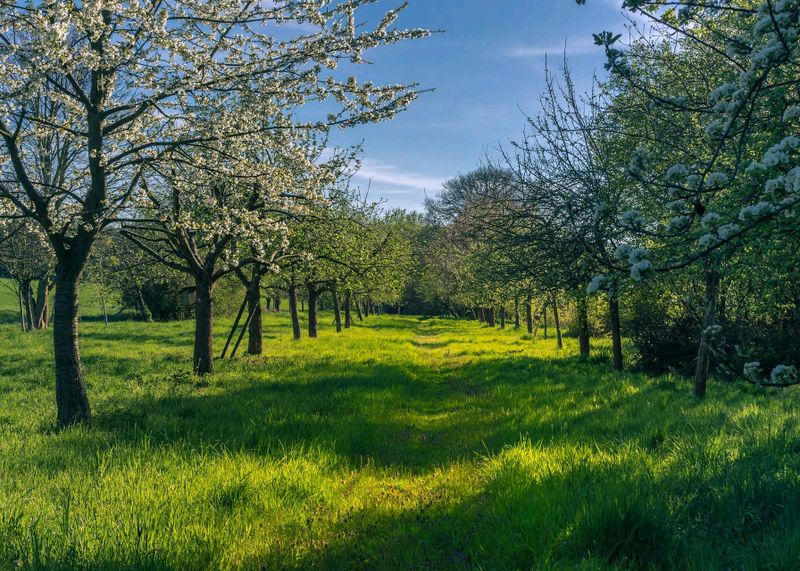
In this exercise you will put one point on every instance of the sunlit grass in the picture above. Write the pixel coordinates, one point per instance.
(403, 443)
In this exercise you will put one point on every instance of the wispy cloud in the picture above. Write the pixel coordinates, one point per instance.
(386, 178)
(576, 47)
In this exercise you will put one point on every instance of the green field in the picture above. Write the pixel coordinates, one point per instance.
(404, 443)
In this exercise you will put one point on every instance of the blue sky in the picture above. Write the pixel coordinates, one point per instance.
(487, 68)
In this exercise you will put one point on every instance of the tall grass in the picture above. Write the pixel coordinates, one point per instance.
(402, 443)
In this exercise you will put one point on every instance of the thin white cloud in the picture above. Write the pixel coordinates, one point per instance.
(579, 47)
(380, 173)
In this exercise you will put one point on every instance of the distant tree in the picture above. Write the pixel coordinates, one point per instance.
(26, 256)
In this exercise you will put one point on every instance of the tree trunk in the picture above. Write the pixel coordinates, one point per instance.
(268, 302)
(29, 305)
(358, 311)
(43, 303)
(544, 320)
(22, 324)
(616, 330)
(143, 309)
(348, 311)
(502, 317)
(104, 308)
(706, 335)
(255, 335)
(558, 323)
(529, 315)
(337, 310)
(583, 327)
(277, 303)
(71, 399)
(293, 310)
(312, 312)
(490, 317)
(204, 326)
(517, 320)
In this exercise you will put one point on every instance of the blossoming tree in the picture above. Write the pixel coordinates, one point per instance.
(120, 83)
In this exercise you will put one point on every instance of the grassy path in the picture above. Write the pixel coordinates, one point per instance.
(404, 443)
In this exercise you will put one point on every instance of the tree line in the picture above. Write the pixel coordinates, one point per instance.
(660, 205)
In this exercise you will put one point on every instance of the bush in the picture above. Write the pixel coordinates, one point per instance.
(664, 333)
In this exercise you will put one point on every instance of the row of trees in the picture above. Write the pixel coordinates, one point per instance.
(671, 188)
(198, 131)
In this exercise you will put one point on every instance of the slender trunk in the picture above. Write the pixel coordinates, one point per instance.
(502, 317)
(277, 302)
(29, 306)
(348, 311)
(399, 307)
(312, 312)
(268, 302)
(529, 315)
(706, 335)
(303, 305)
(204, 325)
(517, 319)
(255, 335)
(43, 303)
(490, 317)
(481, 315)
(22, 324)
(583, 327)
(557, 323)
(103, 307)
(71, 399)
(616, 330)
(293, 310)
(337, 310)
(544, 320)
(143, 309)
(358, 311)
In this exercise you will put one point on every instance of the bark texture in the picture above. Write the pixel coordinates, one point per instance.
(71, 399)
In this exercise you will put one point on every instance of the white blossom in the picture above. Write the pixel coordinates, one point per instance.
(783, 374)
(755, 211)
(752, 370)
(633, 219)
(641, 270)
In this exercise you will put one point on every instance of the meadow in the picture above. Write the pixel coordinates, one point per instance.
(403, 443)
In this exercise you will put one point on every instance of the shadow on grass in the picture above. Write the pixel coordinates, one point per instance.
(407, 417)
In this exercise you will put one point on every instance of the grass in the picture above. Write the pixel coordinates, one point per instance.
(404, 443)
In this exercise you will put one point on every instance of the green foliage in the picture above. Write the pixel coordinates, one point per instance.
(402, 443)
